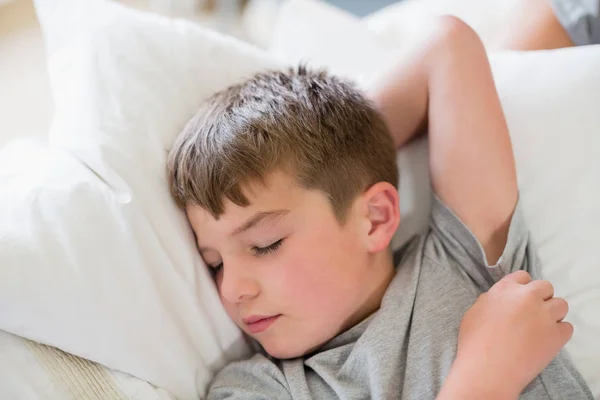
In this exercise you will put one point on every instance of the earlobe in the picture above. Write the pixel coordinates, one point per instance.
(383, 213)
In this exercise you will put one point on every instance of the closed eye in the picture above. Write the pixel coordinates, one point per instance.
(263, 251)
(258, 251)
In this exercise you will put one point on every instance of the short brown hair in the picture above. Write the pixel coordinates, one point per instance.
(316, 127)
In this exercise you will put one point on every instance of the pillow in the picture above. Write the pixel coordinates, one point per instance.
(551, 102)
(96, 258)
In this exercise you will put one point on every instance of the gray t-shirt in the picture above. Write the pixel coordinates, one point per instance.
(406, 348)
(581, 19)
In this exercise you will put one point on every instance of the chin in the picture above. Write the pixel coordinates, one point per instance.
(282, 350)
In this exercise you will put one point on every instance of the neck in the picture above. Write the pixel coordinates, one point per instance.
(383, 271)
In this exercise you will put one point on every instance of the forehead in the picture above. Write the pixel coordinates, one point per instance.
(277, 192)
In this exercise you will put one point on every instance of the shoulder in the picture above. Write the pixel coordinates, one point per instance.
(255, 378)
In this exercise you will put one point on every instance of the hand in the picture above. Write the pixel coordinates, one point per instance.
(511, 334)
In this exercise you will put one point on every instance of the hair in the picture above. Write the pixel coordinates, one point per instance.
(316, 127)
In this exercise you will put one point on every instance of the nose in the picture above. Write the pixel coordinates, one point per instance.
(237, 285)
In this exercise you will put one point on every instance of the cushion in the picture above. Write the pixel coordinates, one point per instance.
(96, 258)
(550, 99)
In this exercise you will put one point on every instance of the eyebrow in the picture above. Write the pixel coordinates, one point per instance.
(258, 218)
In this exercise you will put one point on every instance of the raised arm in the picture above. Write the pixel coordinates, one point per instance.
(445, 84)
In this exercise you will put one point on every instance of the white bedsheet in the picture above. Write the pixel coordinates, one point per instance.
(32, 371)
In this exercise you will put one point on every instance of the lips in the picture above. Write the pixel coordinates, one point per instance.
(259, 323)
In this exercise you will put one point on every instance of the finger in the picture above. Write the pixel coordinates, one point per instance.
(558, 308)
(565, 330)
(521, 277)
(544, 289)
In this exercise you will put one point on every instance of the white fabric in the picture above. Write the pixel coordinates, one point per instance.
(32, 371)
(95, 257)
(551, 103)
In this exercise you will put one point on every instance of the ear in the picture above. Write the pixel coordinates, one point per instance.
(383, 215)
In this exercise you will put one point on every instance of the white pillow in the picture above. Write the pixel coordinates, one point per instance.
(96, 258)
(551, 102)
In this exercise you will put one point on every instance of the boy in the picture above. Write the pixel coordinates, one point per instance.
(289, 181)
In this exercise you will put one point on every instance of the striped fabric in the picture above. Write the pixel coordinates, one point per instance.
(78, 378)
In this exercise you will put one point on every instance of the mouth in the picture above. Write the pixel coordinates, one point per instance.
(258, 323)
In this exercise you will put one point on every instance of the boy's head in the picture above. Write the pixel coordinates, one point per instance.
(289, 181)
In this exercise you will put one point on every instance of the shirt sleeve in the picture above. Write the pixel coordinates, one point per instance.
(452, 243)
(257, 378)
(580, 18)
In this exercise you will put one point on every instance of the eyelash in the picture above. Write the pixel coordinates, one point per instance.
(263, 251)
(258, 252)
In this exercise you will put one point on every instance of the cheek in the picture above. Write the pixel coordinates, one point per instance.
(314, 268)
(232, 312)
(230, 308)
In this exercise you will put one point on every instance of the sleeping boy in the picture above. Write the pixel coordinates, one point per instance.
(289, 181)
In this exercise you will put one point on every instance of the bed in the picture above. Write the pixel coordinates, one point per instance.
(102, 292)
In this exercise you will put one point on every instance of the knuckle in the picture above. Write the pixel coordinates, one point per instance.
(530, 294)
(547, 284)
(563, 304)
(522, 275)
(568, 329)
